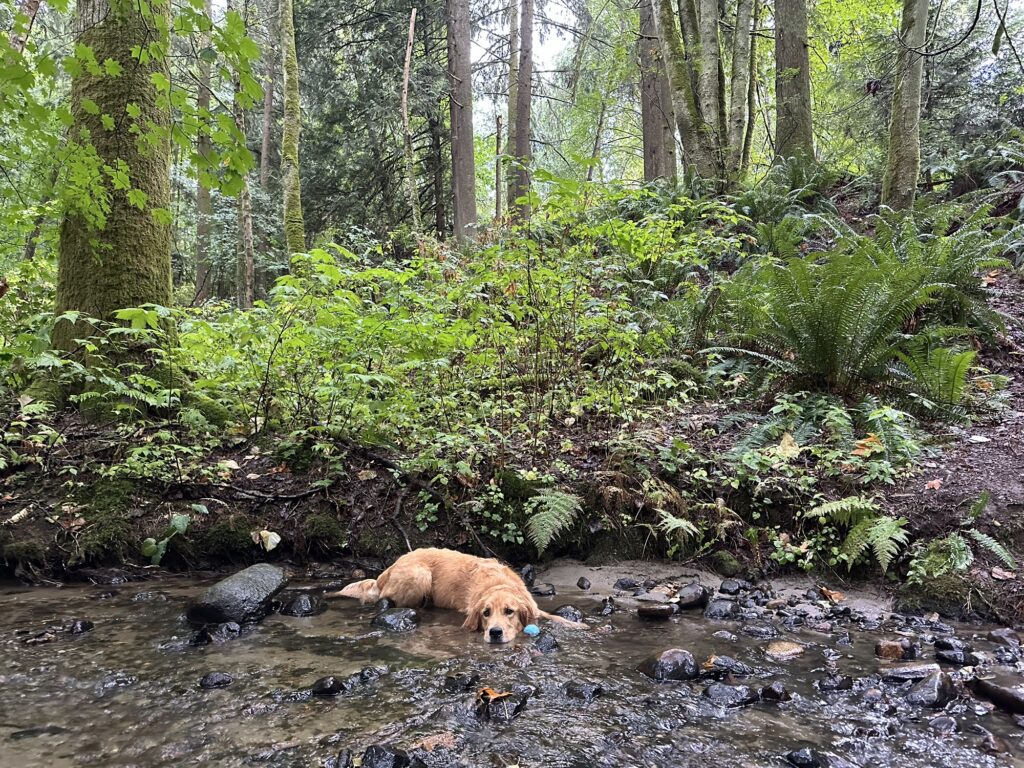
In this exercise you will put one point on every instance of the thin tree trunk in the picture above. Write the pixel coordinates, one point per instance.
(410, 160)
(710, 77)
(294, 226)
(794, 134)
(498, 181)
(460, 104)
(748, 134)
(656, 115)
(124, 260)
(524, 105)
(739, 88)
(513, 98)
(204, 207)
(595, 155)
(245, 264)
(268, 113)
(434, 122)
(29, 8)
(903, 166)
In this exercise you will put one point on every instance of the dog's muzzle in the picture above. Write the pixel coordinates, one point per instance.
(495, 635)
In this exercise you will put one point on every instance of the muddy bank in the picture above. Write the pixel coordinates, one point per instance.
(786, 677)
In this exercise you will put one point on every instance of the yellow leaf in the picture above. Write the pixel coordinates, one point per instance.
(367, 474)
(787, 448)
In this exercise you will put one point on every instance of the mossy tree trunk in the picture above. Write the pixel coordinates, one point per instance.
(520, 190)
(124, 261)
(245, 267)
(204, 207)
(460, 101)
(513, 97)
(794, 132)
(742, 51)
(903, 167)
(294, 226)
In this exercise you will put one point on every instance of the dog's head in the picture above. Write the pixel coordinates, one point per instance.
(501, 613)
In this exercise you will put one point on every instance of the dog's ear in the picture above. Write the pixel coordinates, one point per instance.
(474, 618)
(527, 611)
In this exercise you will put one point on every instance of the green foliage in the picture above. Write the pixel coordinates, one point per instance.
(866, 530)
(155, 550)
(550, 513)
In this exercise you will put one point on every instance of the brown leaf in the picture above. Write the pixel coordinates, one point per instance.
(487, 695)
(933, 485)
(367, 474)
(868, 446)
(1001, 574)
(832, 595)
(447, 740)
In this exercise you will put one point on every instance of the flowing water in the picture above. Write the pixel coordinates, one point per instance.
(126, 692)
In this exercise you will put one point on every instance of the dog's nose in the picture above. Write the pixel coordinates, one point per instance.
(495, 633)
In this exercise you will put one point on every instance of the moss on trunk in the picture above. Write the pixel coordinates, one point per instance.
(294, 225)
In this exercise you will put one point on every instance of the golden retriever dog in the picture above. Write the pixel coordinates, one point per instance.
(491, 595)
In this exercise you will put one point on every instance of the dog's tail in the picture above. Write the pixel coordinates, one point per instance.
(365, 591)
(563, 621)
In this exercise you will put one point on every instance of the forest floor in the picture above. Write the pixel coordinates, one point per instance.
(70, 515)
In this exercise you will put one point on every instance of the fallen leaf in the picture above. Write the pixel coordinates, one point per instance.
(447, 740)
(367, 474)
(270, 540)
(978, 439)
(868, 446)
(253, 476)
(487, 695)
(24, 400)
(933, 485)
(229, 464)
(787, 447)
(1001, 574)
(832, 595)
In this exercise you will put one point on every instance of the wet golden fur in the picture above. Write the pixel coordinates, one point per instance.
(490, 595)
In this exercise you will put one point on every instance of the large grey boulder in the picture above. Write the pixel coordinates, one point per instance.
(245, 596)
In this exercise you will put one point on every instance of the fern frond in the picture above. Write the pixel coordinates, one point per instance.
(672, 525)
(887, 537)
(552, 512)
(847, 512)
(994, 547)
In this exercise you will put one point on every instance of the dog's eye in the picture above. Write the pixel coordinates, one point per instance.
(509, 611)
(487, 613)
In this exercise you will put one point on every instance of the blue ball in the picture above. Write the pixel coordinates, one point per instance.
(531, 629)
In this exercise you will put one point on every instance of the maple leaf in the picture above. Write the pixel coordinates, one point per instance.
(933, 485)
(868, 446)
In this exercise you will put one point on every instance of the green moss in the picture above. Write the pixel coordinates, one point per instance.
(324, 532)
(105, 538)
(381, 541)
(215, 413)
(28, 550)
(610, 546)
(229, 539)
(724, 563)
(947, 595)
(515, 487)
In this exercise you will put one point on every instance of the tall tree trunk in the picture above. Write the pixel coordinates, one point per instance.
(739, 90)
(245, 266)
(294, 226)
(204, 207)
(127, 261)
(268, 111)
(498, 181)
(460, 104)
(410, 159)
(656, 114)
(436, 125)
(28, 8)
(595, 155)
(794, 134)
(710, 76)
(903, 167)
(524, 106)
(513, 97)
(696, 134)
(748, 133)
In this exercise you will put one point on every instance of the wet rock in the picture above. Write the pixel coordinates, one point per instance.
(546, 643)
(35, 732)
(807, 758)
(627, 584)
(216, 680)
(528, 575)
(943, 724)
(461, 683)
(149, 597)
(368, 675)
(1007, 698)
(385, 757)
(304, 604)
(730, 695)
(903, 673)
(507, 707)
(329, 686)
(343, 760)
(116, 680)
(583, 583)
(720, 666)
(607, 606)
(245, 596)
(80, 626)
(783, 650)
(958, 657)
(656, 611)
(570, 612)
(396, 620)
(835, 682)
(383, 605)
(896, 650)
(694, 595)
(723, 634)
(218, 634)
(721, 609)
(776, 691)
(1005, 636)
(542, 590)
(873, 696)
(584, 690)
(760, 630)
(934, 692)
(732, 586)
(671, 664)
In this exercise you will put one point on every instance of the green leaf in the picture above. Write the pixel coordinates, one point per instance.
(89, 106)
(179, 523)
(112, 67)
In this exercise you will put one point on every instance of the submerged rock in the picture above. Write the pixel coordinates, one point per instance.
(896, 650)
(584, 690)
(80, 626)
(245, 596)
(1005, 636)
(835, 682)
(720, 666)
(1007, 698)
(783, 650)
(761, 630)
(807, 758)
(329, 686)
(542, 590)
(775, 691)
(903, 673)
(933, 692)
(461, 683)
(730, 695)
(397, 620)
(722, 609)
(385, 757)
(505, 708)
(304, 604)
(569, 612)
(671, 664)
(216, 680)
(656, 611)
(546, 643)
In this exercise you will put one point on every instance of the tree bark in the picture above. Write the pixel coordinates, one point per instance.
(268, 111)
(294, 226)
(710, 77)
(748, 133)
(794, 134)
(204, 207)
(460, 104)
(410, 160)
(739, 90)
(657, 117)
(30, 8)
(124, 261)
(245, 268)
(513, 97)
(903, 166)
(498, 181)
(524, 106)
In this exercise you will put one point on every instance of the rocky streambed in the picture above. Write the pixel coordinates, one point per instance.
(679, 669)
